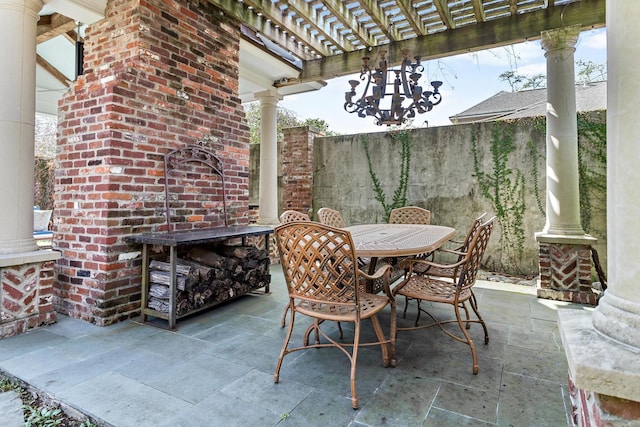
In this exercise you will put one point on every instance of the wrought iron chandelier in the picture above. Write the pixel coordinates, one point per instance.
(407, 96)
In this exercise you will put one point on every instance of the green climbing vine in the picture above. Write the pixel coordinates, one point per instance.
(504, 187)
(400, 194)
(539, 124)
(592, 166)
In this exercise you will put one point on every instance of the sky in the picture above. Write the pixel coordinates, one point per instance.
(467, 80)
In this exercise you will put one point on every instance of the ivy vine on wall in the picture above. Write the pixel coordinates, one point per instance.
(592, 166)
(592, 163)
(505, 188)
(400, 194)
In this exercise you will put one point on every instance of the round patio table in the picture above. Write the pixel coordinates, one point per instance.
(398, 240)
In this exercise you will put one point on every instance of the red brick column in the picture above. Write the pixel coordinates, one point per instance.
(26, 297)
(565, 273)
(158, 76)
(297, 169)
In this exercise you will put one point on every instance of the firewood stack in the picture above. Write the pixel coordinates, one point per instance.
(205, 277)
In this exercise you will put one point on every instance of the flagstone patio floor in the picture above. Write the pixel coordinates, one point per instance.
(216, 369)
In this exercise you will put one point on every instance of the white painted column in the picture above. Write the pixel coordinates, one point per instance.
(563, 195)
(268, 196)
(618, 313)
(18, 28)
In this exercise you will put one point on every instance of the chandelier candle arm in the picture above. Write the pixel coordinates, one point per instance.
(404, 102)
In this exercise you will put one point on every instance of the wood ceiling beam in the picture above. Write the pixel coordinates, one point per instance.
(52, 70)
(499, 32)
(513, 7)
(413, 19)
(260, 24)
(380, 19)
(72, 37)
(50, 26)
(347, 18)
(478, 11)
(319, 23)
(445, 13)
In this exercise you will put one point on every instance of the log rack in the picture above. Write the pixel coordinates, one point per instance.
(174, 240)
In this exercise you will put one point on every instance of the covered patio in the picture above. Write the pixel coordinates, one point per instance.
(152, 83)
(217, 369)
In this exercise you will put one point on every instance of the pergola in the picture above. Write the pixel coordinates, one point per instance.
(297, 44)
(305, 42)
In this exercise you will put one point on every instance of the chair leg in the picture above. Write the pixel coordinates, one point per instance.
(466, 313)
(384, 347)
(468, 339)
(283, 322)
(312, 327)
(418, 316)
(284, 352)
(474, 306)
(406, 305)
(354, 359)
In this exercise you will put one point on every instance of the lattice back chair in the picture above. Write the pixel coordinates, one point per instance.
(448, 291)
(330, 217)
(458, 253)
(407, 215)
(291, 216)
(285, 218)
(410, 215)
(322, 276)
(333, 218)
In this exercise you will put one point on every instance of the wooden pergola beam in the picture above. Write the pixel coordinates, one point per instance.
(50, 26)
(499, 32)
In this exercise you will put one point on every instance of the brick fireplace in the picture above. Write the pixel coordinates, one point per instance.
(158, 76)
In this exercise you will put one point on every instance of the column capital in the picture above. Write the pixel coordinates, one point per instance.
(268, 96)
(33, 7)
(560, 38)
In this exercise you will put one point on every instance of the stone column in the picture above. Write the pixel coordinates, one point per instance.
(602, 348)
(268, 198)
(618, 313)
(18, 25)
(565, 261)
(563, 196)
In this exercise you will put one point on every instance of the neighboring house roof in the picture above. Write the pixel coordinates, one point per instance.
(530, 103)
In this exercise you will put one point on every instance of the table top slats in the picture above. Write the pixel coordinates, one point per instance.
(392, 240)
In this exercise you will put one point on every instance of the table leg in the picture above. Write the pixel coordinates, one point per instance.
(172, 287)
(145, 282)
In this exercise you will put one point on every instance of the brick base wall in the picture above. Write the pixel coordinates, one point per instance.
(26, 297)
(589, 409)
(565, 273)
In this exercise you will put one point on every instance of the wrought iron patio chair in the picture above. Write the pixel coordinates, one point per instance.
(285, 218)
(447, 270)
(322, 276)
(407, 215)
(456, 253)
(410, 215)
(291, 215)
(330, 217)
(448, 291)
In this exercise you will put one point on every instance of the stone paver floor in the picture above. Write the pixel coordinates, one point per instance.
(217, 368)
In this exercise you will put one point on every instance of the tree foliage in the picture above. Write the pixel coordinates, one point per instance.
(285, 119)
(586, 72)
